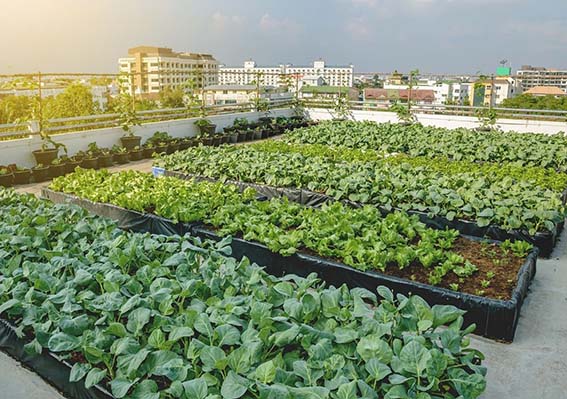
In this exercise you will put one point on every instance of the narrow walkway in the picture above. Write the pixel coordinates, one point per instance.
(534, 366)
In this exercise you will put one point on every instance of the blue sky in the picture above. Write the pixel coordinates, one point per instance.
(443, 36)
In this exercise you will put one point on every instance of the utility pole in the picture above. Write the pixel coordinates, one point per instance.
(492, 90)
(40, 105)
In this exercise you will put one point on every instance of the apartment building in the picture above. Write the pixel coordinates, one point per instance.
(286, 74)
(530, 77)
(486, 92)
(442, 91)
(241, 94)
(148, 70)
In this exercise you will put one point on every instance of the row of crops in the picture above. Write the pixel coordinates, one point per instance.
(153, 317)
(398, 243)
(508, 196)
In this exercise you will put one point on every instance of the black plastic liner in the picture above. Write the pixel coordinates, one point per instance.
(494, 318)
(51, 368)
(544, 241)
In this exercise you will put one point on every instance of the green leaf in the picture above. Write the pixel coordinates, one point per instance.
(445, 314)
(61, 342)
(266, 372)
(234, 386)
(94, 376)
(345, 335)
(79, 371)
(371, 346)
(377, 370)
(196, 388)
(120, 387)
(414, 357)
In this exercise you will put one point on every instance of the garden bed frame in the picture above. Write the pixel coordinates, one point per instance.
(496, 319)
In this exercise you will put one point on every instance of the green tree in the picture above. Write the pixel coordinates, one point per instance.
(16, 108)
(527, 101)
(172, 98)
(76, 100)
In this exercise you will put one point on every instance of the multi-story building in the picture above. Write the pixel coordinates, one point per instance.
(286, 75)
(240, 94)
(530, 76)
(492, 91)
(443, 91)
(149, 70)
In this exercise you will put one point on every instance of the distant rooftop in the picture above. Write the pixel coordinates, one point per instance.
(546, 91)
(166, 52)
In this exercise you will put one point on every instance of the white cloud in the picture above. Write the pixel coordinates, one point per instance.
(270, 24)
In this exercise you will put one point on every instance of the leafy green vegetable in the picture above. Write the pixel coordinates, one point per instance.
(205, 291)
(437, 188)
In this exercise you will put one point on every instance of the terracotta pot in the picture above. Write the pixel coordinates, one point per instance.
(136, 155)
(7, 180)
(45, 157)
(105, 161)
(40, 175)
(22, 176)
(71, 165)
(91, 163)
(122, 158)
(56, 170)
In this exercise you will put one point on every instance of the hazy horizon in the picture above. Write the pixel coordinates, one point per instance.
(438, 36)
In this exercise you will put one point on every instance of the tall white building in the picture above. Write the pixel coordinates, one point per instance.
(150, 70)
(530, 77)
(283, 75)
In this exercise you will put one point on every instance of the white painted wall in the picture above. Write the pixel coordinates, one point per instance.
(450, 121)
(20, 151)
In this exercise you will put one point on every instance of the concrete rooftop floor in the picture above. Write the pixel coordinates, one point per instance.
(534, 366)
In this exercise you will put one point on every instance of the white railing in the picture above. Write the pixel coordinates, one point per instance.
(99, 121)
(501, 112)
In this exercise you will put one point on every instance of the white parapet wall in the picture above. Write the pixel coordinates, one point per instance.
(449, 121)
(19, 152)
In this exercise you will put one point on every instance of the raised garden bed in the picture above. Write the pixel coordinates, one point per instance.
(176, 317)
(494, 318)
(545, 241)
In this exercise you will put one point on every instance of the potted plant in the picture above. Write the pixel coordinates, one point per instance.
(172, 146)
(49, 150)
(206, 127)
(105, 158)
(128, 119)
(72, 163)
(40, 173)
(161, 147)
(136, 154)
(21, 175)
(258, 132)
(57, 168)
(89, 159)
(121, 155)
(404, 114)
(148, 149)
(6, 177)
(487, 118)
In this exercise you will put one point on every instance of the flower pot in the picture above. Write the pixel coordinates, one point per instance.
(7, 180)
(249, 135)
(148, 152)
(257, 134)
(233, 138)
(265, 133)
(89, 163)
(41, 174)
(208, 130)
(45, 157)
(56, 170)
(207, 140)
(242, 136)
(172, 147)
(161, 149)
(105, 161)
(22, 176)
(136, 155)
(129, 142)
(184, 144)
(216, 141)
(122, 158)
(71, 166)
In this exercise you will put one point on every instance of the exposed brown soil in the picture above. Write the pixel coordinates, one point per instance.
(485, 256)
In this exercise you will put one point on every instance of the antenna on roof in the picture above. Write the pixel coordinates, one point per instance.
(503, 62)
